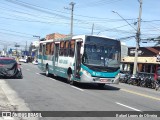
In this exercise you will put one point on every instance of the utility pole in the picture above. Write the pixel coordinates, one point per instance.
(92, 29)
(137, 39)
(72, 9)
(5, 49)
(26, 46)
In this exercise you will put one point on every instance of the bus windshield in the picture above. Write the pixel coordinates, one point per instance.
(101, 52)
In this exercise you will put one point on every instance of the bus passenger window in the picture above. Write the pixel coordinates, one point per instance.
(40, 49)
(61, 52)
(52, 48)
(66, 48)
(47, 49)
(72, 45)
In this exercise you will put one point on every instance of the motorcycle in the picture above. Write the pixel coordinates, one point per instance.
(157, 85)
(126, 78)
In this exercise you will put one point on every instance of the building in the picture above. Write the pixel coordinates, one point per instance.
(124, 50)
(55, 36)
(148, 59)
(35, 44)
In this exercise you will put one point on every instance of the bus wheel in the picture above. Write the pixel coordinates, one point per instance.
(101, 85)
(47, 71)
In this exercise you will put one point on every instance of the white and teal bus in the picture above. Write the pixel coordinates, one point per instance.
(83, 58)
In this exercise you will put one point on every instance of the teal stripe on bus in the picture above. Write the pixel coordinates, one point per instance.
(100, 74)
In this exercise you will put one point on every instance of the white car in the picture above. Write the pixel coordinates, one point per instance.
(35, 62)
(23, 60)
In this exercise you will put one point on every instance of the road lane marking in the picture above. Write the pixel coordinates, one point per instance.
(127, 106)
(52, 79)
(77, 88)
(28, 69)
(38, 73)
(140, 94)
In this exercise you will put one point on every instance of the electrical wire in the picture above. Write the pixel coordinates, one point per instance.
(98, 3)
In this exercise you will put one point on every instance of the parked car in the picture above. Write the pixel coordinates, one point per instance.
(9, 68)
(35, 62)
(23, 59)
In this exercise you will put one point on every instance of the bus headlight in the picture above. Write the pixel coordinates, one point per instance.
(86, 72)
(118, 76)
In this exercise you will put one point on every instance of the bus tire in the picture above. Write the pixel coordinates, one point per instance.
(47, 71)
(101, 85)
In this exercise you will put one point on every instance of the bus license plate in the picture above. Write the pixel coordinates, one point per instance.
(103, 80)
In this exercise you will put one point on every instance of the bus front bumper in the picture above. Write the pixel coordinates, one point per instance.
(86, 78)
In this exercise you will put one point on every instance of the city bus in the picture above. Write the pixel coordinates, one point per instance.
(81, 58)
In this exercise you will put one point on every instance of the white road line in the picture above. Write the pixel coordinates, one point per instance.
(28, 69)
(127, 106)
(52, 79)
(141, 94)
(38, 74)
(77, 88)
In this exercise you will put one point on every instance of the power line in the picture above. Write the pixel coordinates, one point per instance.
(29, 20)
(34, 7)
(150, 20)
(30, 6)
(49, 11)
(16, 35)
(98, 3)
(113, 28)
(16, 32)
(124, 19)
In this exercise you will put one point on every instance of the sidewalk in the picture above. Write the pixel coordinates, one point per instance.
(5, 105)
(10, 101)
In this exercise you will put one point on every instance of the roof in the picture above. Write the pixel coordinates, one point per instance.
(73, 37)
(55, 36)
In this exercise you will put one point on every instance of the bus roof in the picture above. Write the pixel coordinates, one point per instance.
(74, 37)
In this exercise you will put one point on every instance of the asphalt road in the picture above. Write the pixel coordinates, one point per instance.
(36, 92)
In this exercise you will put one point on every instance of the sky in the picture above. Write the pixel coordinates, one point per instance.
(20, 20)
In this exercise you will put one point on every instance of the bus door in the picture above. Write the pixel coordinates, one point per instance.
(77, 66)
(56, 54)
